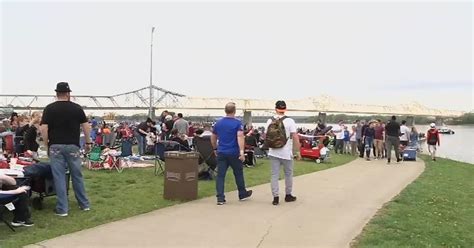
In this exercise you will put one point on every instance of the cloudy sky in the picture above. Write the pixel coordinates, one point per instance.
(360, 52)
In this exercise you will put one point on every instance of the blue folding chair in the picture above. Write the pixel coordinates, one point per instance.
(159, 158)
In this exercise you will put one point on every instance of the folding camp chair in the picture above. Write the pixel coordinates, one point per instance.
(9, 148)
(121, 161)
(207, 157)
(95, 159)
(250, 158)
(159, 153)
(159, 158)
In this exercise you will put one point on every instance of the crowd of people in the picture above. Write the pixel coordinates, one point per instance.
(59, 128)
(375, 138)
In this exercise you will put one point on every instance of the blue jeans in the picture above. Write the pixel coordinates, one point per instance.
(223, 163)
(369, 142)
(141, 143)
(64, 157)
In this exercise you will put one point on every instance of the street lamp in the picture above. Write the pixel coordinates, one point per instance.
(151, 111)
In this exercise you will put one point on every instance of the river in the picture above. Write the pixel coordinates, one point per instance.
(458, 146)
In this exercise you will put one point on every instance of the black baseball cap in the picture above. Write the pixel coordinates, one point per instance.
(62, 87)
(280, 105)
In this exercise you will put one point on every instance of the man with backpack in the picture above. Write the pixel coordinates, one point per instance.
(282, 139)
(432, 138)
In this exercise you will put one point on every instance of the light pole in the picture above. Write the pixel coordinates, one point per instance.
(151, 110)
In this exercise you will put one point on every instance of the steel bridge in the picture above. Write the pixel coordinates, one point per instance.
(136, 101)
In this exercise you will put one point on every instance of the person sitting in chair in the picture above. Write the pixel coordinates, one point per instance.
(251, 142)
(206, 130)
(19, 197)
(181, 139)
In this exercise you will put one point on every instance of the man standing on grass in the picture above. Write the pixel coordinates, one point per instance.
(228, 141)
(60, 129)
(141, 132)
(282, 139)
(432, 138)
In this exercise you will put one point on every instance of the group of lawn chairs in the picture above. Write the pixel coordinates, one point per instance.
(100, 158)
(109, 158)
(202, 145)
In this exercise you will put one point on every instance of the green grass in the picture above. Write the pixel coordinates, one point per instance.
(116, 196)
(436, 210)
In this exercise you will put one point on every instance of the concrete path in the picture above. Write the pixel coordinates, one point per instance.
(332, 208)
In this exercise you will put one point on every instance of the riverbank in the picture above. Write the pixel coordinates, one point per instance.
(434, 211)
(458, 146)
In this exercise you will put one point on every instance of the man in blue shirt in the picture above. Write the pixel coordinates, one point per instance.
(228, 140)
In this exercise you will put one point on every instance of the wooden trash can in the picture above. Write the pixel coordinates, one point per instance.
(181, 175)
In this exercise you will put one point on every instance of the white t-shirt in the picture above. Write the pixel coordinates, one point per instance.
(339, 131)
(405, 133)
(285, 152)
(353, 137)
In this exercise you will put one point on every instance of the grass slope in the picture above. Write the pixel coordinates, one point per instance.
(437, 210)
(135, 191)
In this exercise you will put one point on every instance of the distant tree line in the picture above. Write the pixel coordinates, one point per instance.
(464, 119)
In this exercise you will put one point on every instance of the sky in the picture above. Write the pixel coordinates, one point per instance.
(359, 52)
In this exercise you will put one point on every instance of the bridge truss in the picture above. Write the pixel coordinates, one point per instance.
(138, 100)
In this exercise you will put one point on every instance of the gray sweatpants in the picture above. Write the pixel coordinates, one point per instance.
(287, 168)
(395, 142)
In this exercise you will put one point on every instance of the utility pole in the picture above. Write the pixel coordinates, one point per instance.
(151, 111)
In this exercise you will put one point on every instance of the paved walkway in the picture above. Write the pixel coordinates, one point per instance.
(332, 208)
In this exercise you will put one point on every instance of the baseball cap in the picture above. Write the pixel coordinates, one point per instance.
(280, 106)
(62, 87)
(432, 125)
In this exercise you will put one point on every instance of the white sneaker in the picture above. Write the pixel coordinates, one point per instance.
(60, 214)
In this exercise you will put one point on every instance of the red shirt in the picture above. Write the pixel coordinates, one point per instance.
(379, 133)
(432, 137)
(191, 131)
(126, 132)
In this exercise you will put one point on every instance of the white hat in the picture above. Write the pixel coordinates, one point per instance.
(432, 125)
(168, 117)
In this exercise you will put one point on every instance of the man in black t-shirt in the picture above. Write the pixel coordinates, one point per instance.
(392, 132)
(141, 132)
(60, 129)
